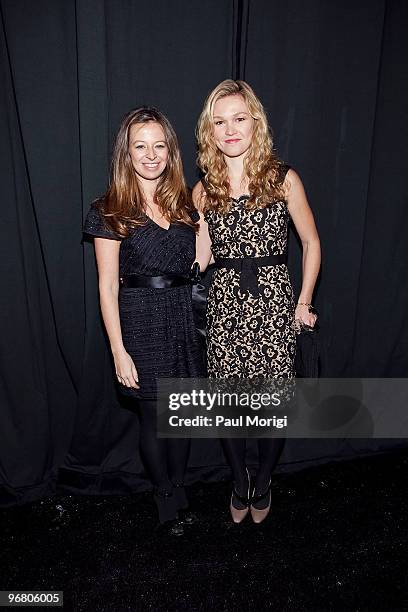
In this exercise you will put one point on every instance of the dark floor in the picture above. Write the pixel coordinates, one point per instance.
(336, 539)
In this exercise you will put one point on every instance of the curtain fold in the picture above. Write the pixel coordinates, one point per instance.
(37, 392)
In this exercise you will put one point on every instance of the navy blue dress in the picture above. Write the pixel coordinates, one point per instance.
(157, 325)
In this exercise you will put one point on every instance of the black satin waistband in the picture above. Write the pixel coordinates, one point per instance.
(248, 268)
(165, 281)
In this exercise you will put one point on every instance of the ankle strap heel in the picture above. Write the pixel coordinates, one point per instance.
(237, 514)
(257, 498)
(258, 515)
(246, 500)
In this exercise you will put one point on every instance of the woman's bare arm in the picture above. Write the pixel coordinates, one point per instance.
(303, 220)
(107, 258)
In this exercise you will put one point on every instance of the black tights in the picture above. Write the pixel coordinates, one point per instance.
(269, 451)
(165, 460)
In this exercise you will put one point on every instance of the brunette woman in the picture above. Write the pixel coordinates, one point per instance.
(144, 229)
(245, 200)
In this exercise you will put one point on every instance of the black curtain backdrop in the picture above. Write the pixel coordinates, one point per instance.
(333, 77)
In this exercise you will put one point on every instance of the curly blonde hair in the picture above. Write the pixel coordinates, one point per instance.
(262, 167)
(123, 206)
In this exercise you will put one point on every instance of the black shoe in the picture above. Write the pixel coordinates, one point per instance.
(239, 504)
(261, 504)
(187, 518)
(179, 494)
(166, 505)
(172, 528)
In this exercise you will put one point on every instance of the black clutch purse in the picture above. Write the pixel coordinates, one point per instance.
(199, 299)
(199, 303)
(307, 351)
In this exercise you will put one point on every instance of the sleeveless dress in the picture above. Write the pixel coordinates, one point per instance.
(157, 325)
(250, 335)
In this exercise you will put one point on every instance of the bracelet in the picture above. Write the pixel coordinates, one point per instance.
(311, 308)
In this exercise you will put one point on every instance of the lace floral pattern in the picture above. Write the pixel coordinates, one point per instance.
(250, 336)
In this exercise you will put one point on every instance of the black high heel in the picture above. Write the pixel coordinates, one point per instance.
(166, 505)
(169, 523)
(170, 528)
(258, 515)
(237, 514)
(179, 494)
(184, 515)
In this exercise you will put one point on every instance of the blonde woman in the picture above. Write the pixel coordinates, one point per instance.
(144, 231)
(245, 200)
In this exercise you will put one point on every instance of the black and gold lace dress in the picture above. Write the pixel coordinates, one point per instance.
(250, 334)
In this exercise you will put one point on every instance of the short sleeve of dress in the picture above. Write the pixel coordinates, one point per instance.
(95, 226)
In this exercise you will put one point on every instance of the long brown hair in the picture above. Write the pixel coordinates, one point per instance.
(123, 206)
(261, 165)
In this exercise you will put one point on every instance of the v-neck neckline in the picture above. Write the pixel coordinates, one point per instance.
(165, 229)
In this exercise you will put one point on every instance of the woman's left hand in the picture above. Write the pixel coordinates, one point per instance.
(303, 315)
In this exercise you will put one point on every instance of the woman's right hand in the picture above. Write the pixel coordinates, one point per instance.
(126, 370)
